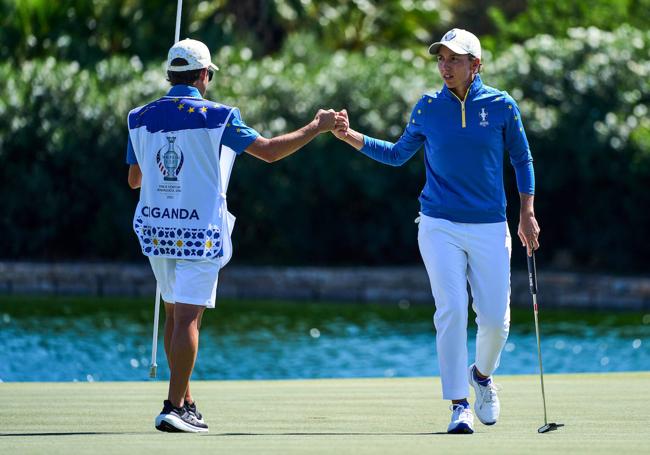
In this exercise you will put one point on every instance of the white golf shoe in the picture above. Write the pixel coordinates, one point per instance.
(487, 405)
(462, 420)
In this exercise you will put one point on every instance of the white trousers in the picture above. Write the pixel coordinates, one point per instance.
(453, 254)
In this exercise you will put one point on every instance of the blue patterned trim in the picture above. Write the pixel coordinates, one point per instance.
(178, 242)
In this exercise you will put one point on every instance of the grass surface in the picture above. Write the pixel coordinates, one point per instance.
(603, 413)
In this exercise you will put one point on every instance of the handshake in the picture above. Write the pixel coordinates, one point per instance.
(331, 120)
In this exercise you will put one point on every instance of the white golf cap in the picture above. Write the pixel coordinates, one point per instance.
(459, 41)
(195, 53)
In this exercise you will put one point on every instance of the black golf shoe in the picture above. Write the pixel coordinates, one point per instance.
(178, 420)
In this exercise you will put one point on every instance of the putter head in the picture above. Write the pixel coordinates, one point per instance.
(152, 371)
(549, 427)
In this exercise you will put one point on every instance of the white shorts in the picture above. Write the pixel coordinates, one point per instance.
(190, 281)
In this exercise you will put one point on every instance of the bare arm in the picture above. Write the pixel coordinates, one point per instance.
(528, 231)
(279, 147)
(135, 176)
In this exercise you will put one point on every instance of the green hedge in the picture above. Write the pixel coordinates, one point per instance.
(584, 100)
(90, 30)
(556, 17)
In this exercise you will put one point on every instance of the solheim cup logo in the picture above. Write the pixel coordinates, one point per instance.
(171, 162)
(484, 115)
(451, 34)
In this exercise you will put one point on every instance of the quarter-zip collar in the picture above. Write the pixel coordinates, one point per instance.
(474, 87)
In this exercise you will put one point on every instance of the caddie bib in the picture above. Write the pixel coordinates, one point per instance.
(182, 211)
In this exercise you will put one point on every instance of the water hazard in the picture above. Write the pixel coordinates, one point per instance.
(110, 340)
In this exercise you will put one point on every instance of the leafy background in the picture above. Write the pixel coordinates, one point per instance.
(71, 71)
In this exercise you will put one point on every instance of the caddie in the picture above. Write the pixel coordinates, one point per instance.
(180, 153)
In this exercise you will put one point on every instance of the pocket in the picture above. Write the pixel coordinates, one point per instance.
(431, 222)
(427, 224)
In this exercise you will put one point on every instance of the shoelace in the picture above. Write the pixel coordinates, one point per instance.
(192, 409)
(457, 408)
(490, 392)
(190, 416)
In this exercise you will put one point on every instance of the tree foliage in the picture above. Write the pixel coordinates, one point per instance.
(88, 31)
(584, 98)
(556, 17)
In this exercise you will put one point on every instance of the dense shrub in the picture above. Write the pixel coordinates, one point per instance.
(90, 30)
(584, 99)
(556, 17)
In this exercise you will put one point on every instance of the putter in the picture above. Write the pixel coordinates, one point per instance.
(154, 342)
(532, 281)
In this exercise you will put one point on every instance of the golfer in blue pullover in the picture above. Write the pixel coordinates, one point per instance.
(463, 236)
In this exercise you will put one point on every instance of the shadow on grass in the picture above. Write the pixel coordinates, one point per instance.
(70, 433)
(97, 433)
(325, 434)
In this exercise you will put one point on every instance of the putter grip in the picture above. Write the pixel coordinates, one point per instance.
(532, 274)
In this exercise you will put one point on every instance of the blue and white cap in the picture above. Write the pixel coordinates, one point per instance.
(195, 53)
(459, 41)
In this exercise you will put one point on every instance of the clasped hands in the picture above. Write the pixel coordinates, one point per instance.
(331, 120)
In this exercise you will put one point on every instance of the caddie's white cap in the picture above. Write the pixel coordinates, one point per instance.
(195, 53)
(459, 41)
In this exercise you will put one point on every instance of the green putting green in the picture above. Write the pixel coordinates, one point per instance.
(603, 413)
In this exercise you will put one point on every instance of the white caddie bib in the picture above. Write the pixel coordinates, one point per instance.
(182, 212)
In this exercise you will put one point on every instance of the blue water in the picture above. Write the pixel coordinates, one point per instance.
(264, 341)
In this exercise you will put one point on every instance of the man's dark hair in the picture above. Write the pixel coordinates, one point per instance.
(182, 77)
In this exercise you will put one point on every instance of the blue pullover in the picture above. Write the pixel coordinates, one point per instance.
(464, 142)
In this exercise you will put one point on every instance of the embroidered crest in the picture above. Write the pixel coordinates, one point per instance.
(484, 115)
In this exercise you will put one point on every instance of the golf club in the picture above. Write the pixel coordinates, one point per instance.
(532, 281)
(179, 8)
(154, 342)
(156, 314)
